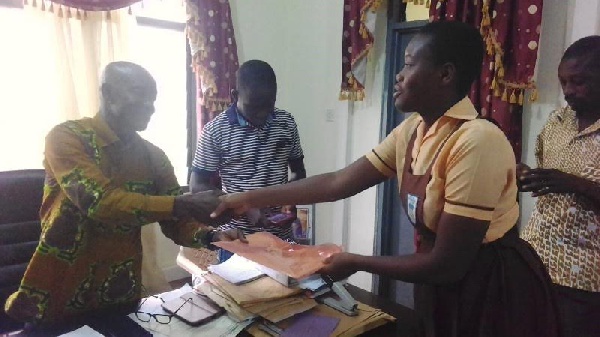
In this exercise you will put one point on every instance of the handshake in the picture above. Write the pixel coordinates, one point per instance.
(214, 208)
(200, 206)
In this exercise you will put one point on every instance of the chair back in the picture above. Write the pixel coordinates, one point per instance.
(20, 200)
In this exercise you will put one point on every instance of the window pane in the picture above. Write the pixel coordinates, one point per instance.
(162, 52)
(31, 97)
(28, 79)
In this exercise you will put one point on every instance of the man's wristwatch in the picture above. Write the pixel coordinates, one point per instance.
(208, 239)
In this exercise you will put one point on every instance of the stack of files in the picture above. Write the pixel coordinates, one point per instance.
(263, 297)
(277, 276)
(368, 318)
(293, 260)
(238, 270)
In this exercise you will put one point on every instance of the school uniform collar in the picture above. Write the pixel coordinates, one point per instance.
(462, 110)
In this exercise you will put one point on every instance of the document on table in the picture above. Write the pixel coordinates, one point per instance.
(84, 331)
(237, 270)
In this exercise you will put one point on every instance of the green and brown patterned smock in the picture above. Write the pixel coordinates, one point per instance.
(98, 193)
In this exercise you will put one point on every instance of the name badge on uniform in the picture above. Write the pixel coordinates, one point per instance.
(411, 202)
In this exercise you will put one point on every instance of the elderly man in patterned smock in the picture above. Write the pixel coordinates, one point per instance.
(103, 182)
(564, 226)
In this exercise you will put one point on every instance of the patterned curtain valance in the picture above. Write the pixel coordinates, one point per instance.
(86, 5)
(357, 40)
(510, 29)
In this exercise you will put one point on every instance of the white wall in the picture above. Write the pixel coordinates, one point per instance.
(296, 38)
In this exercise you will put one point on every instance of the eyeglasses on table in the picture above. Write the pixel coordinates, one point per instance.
(159, 318)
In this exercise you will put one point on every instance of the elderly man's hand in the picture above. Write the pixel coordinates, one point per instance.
(199, 206)
(230, 235)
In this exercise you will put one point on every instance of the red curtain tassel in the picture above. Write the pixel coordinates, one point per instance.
(513, 97)
(521, 96)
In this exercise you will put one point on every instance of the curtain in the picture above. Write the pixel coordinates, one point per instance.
(357, 41)
(86, 5)
(511, 31)
(51, 73)
(81, 46)
(214, 55)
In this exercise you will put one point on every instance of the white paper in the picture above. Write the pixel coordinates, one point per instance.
(237, 270)
(277, 276)
(84, 331)
(173, 294)
(312, 283)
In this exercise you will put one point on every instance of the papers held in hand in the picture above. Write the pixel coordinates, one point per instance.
(193, 309)
(295, 261)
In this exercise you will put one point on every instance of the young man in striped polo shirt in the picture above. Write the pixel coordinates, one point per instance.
(250, 145)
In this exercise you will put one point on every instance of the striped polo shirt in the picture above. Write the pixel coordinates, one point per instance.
(248, 157)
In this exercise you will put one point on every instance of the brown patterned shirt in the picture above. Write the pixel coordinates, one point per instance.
(565, 227)
(98, 193)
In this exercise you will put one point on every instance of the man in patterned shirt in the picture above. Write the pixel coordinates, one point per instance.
(565, 225)
(103, 182)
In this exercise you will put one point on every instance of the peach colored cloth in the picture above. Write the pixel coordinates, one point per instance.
(297, 261)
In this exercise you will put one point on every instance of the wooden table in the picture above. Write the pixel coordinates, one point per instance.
(406, 324)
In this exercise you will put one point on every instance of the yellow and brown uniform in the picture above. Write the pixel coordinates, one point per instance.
(98, 193)
(473, 176)
(465, 166)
